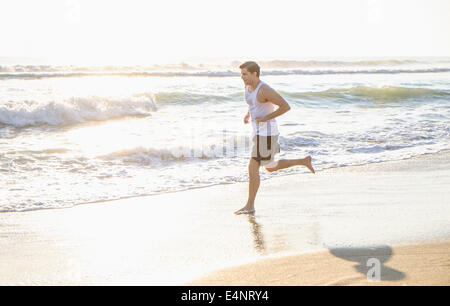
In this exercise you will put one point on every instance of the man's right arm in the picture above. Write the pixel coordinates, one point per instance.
(247, 117)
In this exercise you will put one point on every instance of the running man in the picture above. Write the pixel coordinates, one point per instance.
(261, 99)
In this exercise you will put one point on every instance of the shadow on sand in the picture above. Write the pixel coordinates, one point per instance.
(371, 261)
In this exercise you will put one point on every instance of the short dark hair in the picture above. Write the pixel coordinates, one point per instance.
(251, 67)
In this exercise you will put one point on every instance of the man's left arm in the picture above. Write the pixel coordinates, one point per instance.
(270, 95)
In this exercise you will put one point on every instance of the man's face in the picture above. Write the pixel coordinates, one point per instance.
(247, 77)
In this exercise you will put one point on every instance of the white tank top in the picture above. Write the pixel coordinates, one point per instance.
(257, 109)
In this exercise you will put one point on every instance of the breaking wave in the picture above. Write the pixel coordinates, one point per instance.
(75, 110)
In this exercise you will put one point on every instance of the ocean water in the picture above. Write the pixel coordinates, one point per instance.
(72, 134)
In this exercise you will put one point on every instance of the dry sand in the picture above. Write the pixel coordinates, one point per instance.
(419, 265)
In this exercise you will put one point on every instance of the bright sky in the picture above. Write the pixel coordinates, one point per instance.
(164, 30)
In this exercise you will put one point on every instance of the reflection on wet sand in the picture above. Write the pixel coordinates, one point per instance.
(258, 237)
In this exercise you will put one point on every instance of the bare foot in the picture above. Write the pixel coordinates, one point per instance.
(308, 164)
(245, 210)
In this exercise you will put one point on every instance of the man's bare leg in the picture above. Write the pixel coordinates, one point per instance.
(286, 163)
(253, 185)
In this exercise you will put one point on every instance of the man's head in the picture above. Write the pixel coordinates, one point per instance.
(249, 72)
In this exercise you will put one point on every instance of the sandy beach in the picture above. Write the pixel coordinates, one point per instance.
(307, 230)
(126, 144)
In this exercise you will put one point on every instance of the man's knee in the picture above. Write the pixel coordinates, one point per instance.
(272, 166)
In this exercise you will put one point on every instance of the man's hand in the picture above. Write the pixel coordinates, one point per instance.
(261, 119)
(246, 118)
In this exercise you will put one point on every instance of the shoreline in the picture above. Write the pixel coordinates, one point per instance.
(368, 166)
(176, 238)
